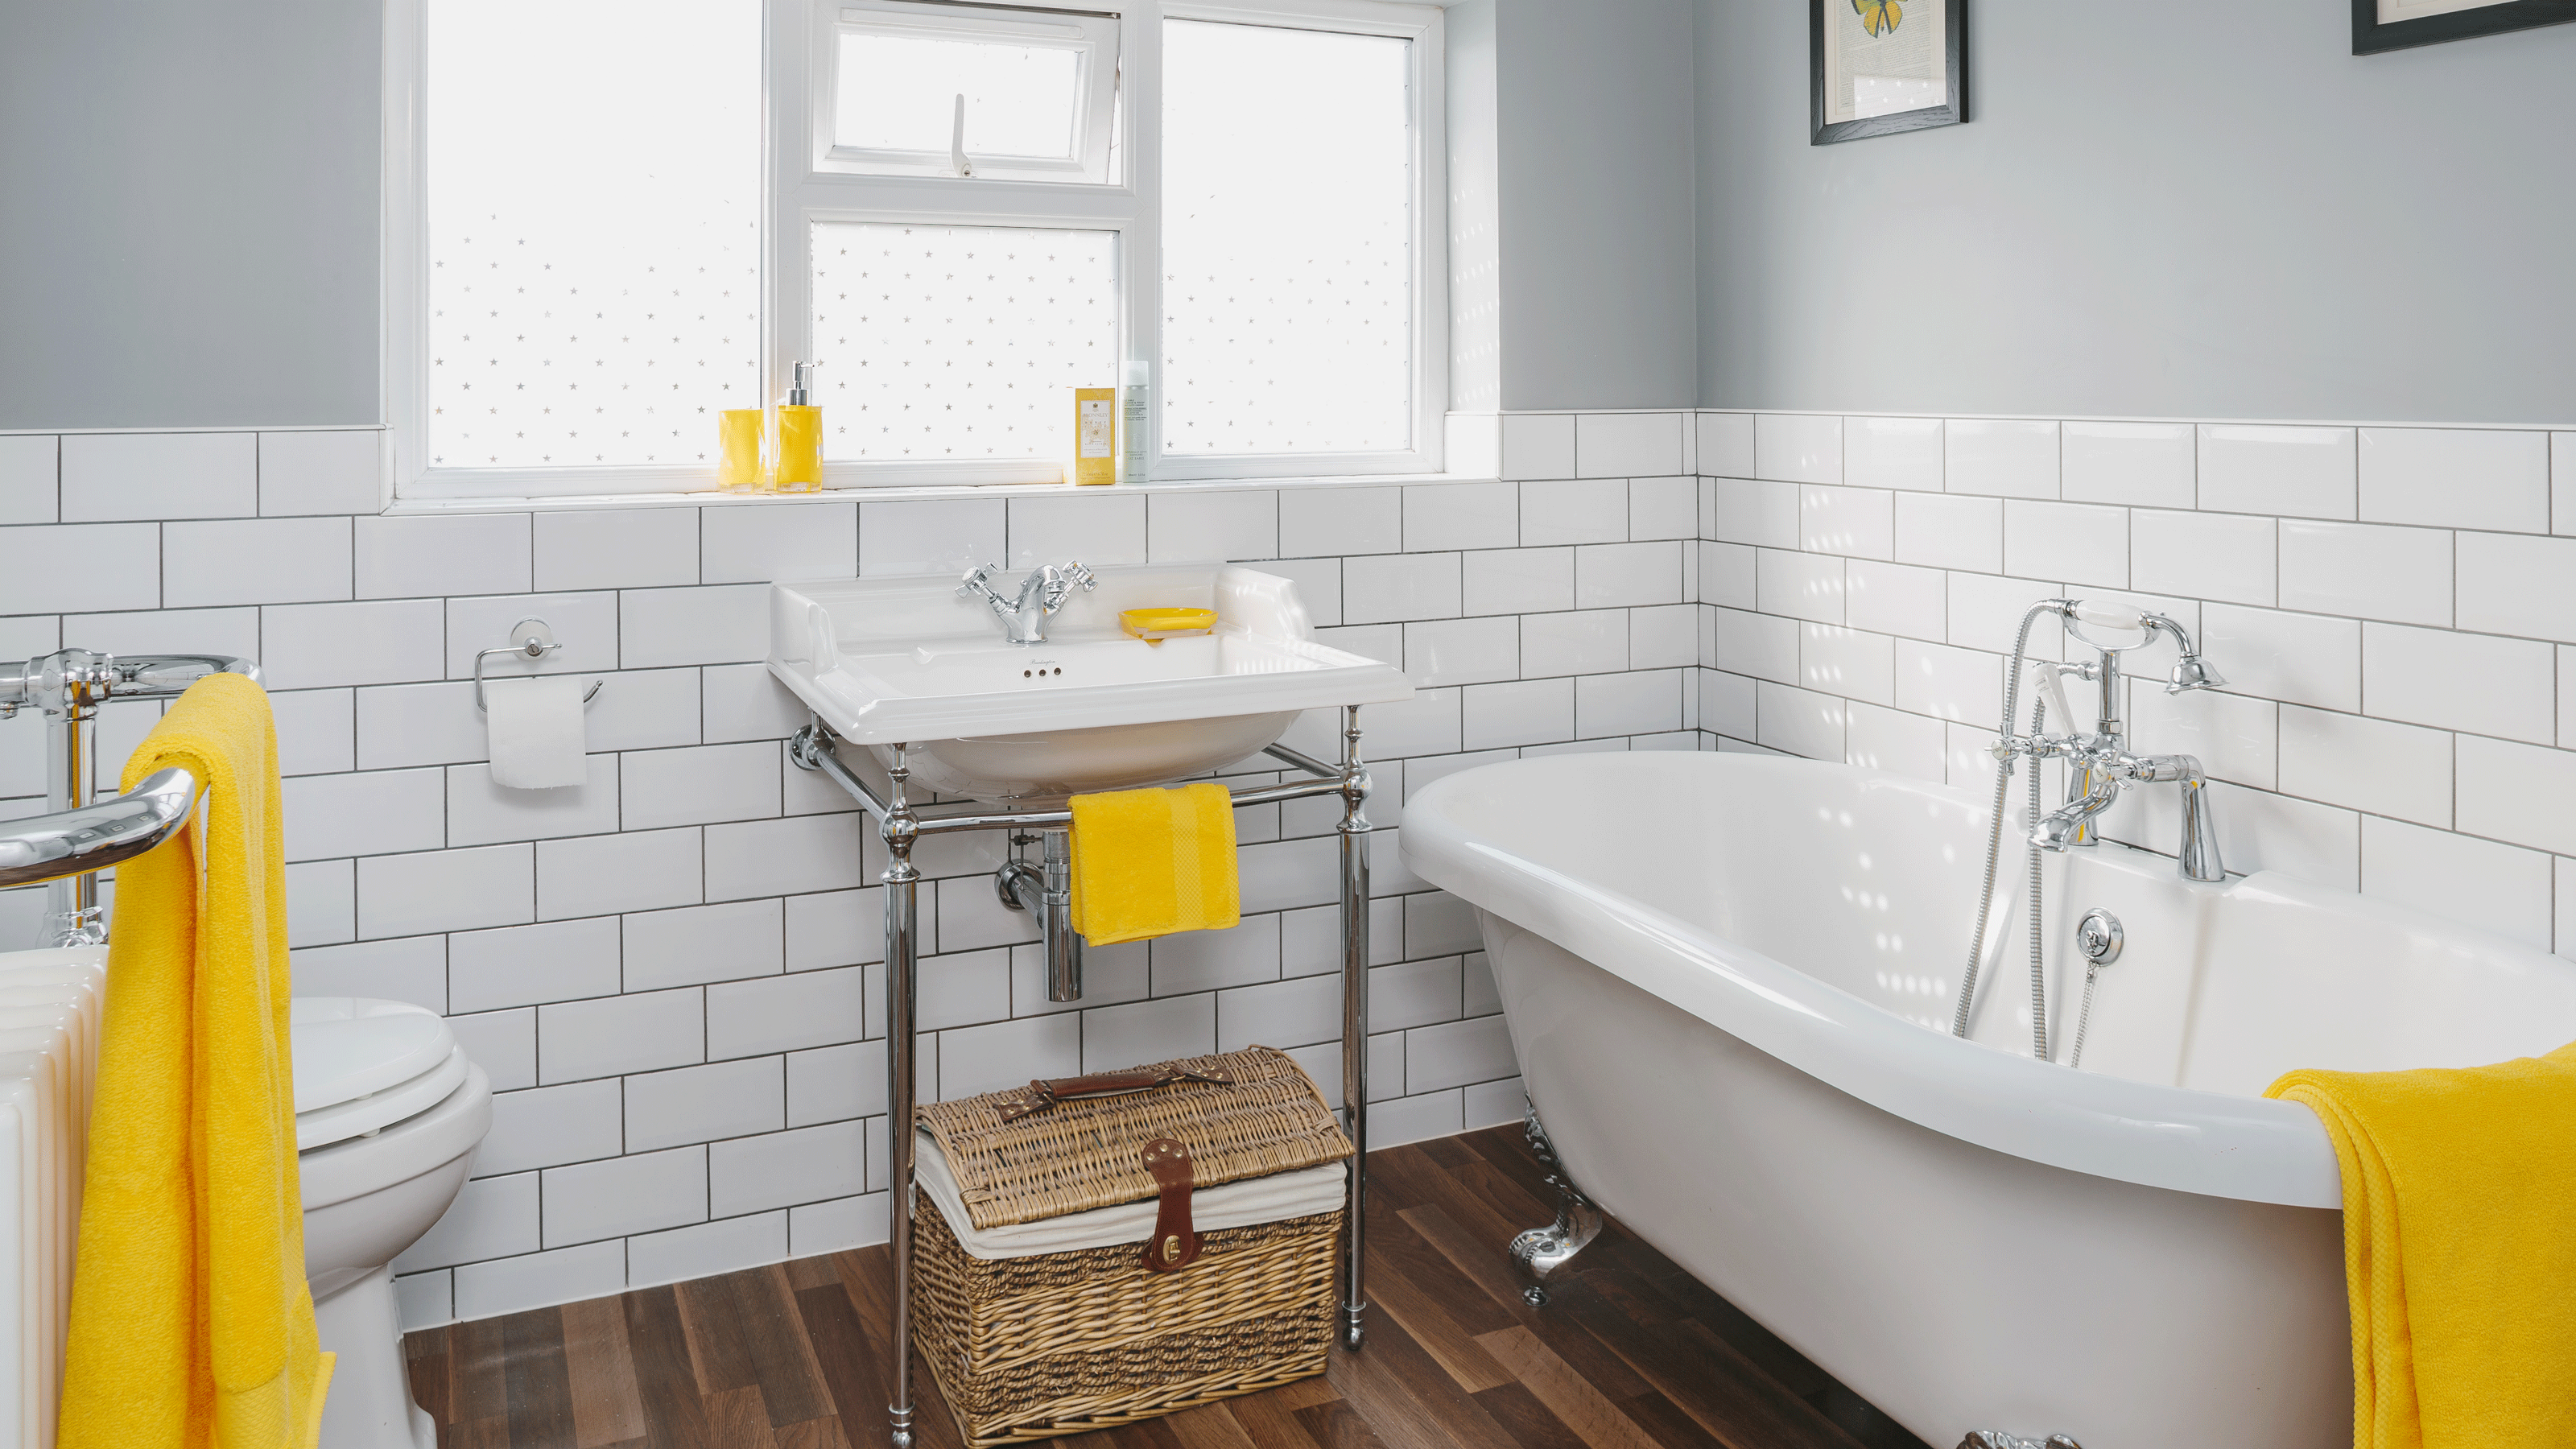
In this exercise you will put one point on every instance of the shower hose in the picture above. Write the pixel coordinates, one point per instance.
(1995, 845)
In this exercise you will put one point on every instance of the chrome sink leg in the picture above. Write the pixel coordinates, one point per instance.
(1541, 1251)
(900, 829)
(1354, 831)
(1993, 1439)
(1049, 892)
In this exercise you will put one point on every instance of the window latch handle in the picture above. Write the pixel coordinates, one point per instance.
(957, 161)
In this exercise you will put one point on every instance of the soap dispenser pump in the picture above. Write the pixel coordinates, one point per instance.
(800, 434)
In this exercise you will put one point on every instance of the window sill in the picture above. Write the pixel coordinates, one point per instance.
(595, 502)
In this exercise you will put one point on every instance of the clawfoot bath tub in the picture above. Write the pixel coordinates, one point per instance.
(1730, 979)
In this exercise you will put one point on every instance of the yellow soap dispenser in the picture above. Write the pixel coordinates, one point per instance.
(800, 434)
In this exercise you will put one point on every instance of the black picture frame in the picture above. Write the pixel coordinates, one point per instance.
(1955, 42)
(2371, 36)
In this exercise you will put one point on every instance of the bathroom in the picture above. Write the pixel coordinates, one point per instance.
(1703, 434)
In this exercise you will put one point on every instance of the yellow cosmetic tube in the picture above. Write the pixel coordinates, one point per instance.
(1095, 435)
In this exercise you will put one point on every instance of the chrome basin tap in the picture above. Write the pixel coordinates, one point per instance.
(1043, 592)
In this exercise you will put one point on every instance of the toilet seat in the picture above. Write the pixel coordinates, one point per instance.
(378, 1110)
(362, 1066)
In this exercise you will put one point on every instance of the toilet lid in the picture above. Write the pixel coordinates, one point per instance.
(365, 1116)
(347, 1048)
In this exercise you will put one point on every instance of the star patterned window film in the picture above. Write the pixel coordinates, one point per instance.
(594, 230)
(942, 343)
(1287, 241)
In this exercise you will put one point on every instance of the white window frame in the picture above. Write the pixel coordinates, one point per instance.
(807, 184)
(1093, 39)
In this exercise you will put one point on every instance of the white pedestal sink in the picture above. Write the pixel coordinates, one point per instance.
(906, 661)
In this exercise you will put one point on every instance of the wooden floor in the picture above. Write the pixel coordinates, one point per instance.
(1632, 1352)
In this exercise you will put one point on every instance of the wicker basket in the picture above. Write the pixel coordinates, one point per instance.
(1062, 1343)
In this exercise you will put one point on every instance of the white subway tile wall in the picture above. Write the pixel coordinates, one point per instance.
(669, 972)
(2394, 609)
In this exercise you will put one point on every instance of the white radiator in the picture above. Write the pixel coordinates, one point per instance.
(49, 1016)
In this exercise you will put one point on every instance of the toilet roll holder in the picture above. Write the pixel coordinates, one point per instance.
(536, 640)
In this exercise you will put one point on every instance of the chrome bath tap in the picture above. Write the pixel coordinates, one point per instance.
(1043, 592)
(2103, 764)
(2104, 767)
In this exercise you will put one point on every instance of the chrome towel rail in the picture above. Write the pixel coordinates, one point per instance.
(96, 837)
(80, 679)
(69, 685)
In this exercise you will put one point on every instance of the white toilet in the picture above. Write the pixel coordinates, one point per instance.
(388, 1113)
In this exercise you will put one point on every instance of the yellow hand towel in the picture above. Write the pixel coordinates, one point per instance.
(1147, 863)
(2459, 1245)
(191, 1323)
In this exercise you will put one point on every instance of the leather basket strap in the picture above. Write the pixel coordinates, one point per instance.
(1042, 1094)
(1175, 1244)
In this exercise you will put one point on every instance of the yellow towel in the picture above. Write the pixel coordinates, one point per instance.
(1148, 863)
(191, 1322)
(2459, 1245)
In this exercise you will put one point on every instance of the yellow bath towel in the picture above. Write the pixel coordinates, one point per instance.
(2459, 1245)
(191, 1323)
(1148, 863)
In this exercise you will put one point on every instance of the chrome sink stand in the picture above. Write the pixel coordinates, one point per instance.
(901, 824)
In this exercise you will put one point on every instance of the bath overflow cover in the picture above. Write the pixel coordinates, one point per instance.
(2099, 937)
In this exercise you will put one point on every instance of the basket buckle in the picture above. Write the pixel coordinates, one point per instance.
(1175, 1244)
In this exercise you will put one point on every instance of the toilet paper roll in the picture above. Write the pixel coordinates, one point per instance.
(537, 732)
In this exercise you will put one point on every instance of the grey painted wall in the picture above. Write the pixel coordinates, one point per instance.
(189, 210)
(2195, 208)
(188, 213)
(1598, 285)
(189, 231)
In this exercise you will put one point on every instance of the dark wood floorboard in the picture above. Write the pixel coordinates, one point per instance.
(1631, 1353)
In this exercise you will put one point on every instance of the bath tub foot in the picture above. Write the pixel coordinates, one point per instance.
(1991, 1439)
(1542, 1251)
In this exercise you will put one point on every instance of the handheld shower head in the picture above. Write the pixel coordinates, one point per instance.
(2190, 671)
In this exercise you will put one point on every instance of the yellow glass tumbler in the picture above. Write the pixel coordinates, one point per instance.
(743, 464)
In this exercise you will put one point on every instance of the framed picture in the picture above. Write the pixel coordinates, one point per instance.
(2383, 25)
(1877, 67)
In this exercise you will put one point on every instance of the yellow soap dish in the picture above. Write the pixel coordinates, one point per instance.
(1156, 625)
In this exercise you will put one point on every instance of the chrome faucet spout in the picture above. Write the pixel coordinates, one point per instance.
(2064, 826)
(1041, 594)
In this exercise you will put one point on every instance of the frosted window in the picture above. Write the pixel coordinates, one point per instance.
(594, 229)
(899, 93)
(947, 342)
(1287, 274)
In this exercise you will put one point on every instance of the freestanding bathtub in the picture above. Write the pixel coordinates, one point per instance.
(1730, 980)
